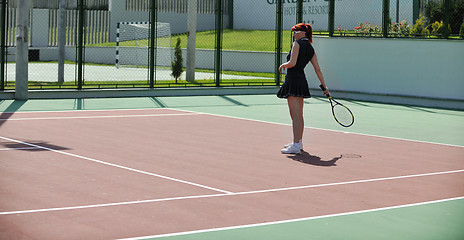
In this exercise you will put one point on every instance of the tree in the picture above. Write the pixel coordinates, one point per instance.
(177, 65)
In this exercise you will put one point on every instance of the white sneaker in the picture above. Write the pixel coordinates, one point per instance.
(294, 148)
(288, 145)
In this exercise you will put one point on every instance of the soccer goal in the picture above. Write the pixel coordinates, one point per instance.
(133, 42)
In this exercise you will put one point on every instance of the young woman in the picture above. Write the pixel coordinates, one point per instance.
(295, 88)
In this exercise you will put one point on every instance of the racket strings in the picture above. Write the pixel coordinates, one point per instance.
(343, 115)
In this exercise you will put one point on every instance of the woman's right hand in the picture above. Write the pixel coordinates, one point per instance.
(326, 92)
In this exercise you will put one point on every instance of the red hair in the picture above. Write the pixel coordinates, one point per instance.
(307, 28)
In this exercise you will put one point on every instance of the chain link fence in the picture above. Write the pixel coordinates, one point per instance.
(114, 43)
(400, 18)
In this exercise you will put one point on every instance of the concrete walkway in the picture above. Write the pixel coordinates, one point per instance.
(48, 72)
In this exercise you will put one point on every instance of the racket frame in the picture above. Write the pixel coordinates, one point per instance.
(332, 100)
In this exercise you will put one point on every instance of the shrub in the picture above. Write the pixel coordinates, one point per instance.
(177, 65)
(400, 29)
(434, 12)
(437, 28)
(419, 28)
(368, 29)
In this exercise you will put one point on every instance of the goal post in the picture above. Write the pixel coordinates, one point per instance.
(133, 42)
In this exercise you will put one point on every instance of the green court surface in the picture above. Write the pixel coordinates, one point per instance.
(443, 220)
(432, 220)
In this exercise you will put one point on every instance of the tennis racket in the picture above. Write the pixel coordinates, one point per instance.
(340, 112)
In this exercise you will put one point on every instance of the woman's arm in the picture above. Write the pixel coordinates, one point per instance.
(293, 57)
(318, 71)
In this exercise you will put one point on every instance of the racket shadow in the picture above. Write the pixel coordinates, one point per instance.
(35, 146)
(307, 158)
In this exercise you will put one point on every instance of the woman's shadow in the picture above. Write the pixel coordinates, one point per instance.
(307, 158)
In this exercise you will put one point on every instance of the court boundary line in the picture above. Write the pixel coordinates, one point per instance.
(85, 110)
(231, 193)
(323, 129)
(293, 220)
(240, 118)
(96, 117)
(115, 165)
(91, 110)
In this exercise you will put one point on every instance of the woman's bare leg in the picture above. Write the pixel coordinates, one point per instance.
(295, 106)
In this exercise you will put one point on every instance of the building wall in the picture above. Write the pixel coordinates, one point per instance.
(178, 21)
(261, 14)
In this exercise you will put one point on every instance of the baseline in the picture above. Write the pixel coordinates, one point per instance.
(186, 113)
(292, 220)
(231, 194)
(324, 129)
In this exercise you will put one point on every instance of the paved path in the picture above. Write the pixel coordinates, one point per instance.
(48, 72)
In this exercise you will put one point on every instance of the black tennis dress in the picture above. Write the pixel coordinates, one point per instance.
(295, 83)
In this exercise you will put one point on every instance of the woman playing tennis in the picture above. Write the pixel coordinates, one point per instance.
(295, 88)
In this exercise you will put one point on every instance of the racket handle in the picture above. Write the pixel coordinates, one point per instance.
(323, 89)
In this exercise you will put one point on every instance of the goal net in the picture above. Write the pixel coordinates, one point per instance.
(133, 42)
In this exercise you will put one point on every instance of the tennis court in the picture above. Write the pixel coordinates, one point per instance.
(210, 167)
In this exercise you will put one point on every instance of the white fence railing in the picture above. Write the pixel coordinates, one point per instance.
(70, 4)
(175, 6)
(96, 27)
(97, 22)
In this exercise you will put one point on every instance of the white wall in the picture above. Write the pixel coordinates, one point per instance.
(410, 67)
(419, 68)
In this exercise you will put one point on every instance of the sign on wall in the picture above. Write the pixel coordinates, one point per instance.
(261, 14)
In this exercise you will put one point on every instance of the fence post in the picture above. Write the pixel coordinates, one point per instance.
(218, 57)
(191, 39)
(386, 18)
(415, 10)
(446, 18)
(230, 9)
(22, 50)
(278, 57)
(80, 40)
(331, 17)
(299, 11)
(2, 44)
(153, 42)
(61, 40)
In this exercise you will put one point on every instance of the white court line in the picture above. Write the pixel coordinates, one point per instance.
(115, 165)
(95, 117)
(324, 129)
(225, 116)
(230, 194)
(293, 220)
(90, 110)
